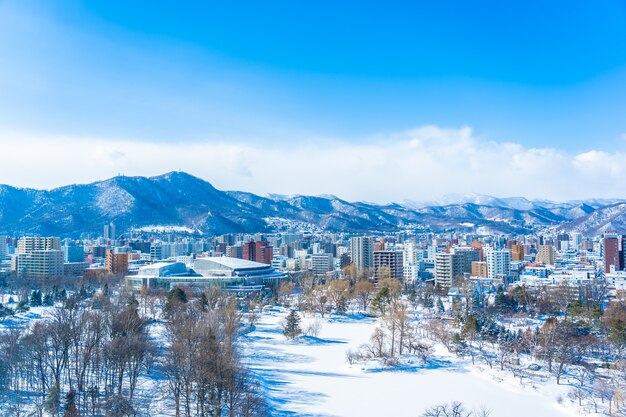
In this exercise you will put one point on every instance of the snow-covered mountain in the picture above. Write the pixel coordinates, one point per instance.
(183, 202)
(515, 203)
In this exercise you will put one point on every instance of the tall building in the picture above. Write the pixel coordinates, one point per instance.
(109, 231)
(613, 250)
(259, 251)
(3, 247)
(32, 243)
(38, 257)
(361, 252)
(468, 255)
(116, 263)
(73, 253)
(410, 261)
(479, 269)
(545, 255)
(448, 267)
(498, 262)
(322, 263)
(517, 252)
(156, 252)
(388, 261)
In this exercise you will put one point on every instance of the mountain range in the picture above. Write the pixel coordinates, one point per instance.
(181, 201)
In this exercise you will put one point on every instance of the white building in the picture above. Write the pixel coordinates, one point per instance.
(362, 252)
(498, 262)
(322, 263)
(410, 259)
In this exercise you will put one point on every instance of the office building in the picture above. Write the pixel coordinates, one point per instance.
(3, 247)
(448, 268)
(38, 257)
(517, 252)
(322, 263)
(33, 243)
(498, 262)
(613, 250)
(116, 263)
(361, 252)
(388, 264)
(259, 251)
(479, 269)
(109, 232)
(545, 255)
(468, 255)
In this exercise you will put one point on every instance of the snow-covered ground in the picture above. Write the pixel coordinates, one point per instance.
(311, 377)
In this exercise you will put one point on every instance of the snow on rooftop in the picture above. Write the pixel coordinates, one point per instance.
(235, 263)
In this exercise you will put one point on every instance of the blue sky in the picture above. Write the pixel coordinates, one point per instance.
(545, 75)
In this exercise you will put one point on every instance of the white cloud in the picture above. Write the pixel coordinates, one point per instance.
(423, 163)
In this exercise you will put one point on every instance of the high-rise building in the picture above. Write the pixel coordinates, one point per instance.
(116, 263)
(410, 261)
(361, 252)
(468, 255)
(388, 262)
(322, 263)
(38, 257)
(479, 269)
(259, 251)
(448, 267)
(109, 231)
(576, 239)
(32, 243)
(73, 253)
(3, 247)
(613, 250)
(517, 252)
(234, 251)
(545, 255)
(156, 252)
(498, 262)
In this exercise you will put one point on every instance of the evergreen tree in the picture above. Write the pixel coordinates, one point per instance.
(428, 300)
(177, 294)
(440, 306)
(69, 408)
(381, 300)
(204, 301)
(292, 329)
(35, 298)
(342, 305)
(22, 306)
(51, 404)
(48, 299)
(175, 299)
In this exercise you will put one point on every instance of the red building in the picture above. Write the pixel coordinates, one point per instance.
(613, 252)
(258, 252)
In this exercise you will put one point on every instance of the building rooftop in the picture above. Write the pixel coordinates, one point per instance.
(233, 263)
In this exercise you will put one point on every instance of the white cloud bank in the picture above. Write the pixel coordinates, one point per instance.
(420, 164)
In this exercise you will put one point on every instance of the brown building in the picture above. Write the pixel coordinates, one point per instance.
(388, 263)
(479, 269)
(613, 249)
(116, 263)
(517, 252)
(258, 252)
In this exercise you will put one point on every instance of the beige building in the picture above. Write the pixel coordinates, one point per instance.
(448, 267)
(517, 252)
(479, 269)
(38, 257)
(545, 255)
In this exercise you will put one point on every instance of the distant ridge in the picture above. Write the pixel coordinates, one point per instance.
(186, 202)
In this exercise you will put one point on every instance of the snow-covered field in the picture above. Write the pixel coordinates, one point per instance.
(311, 377)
